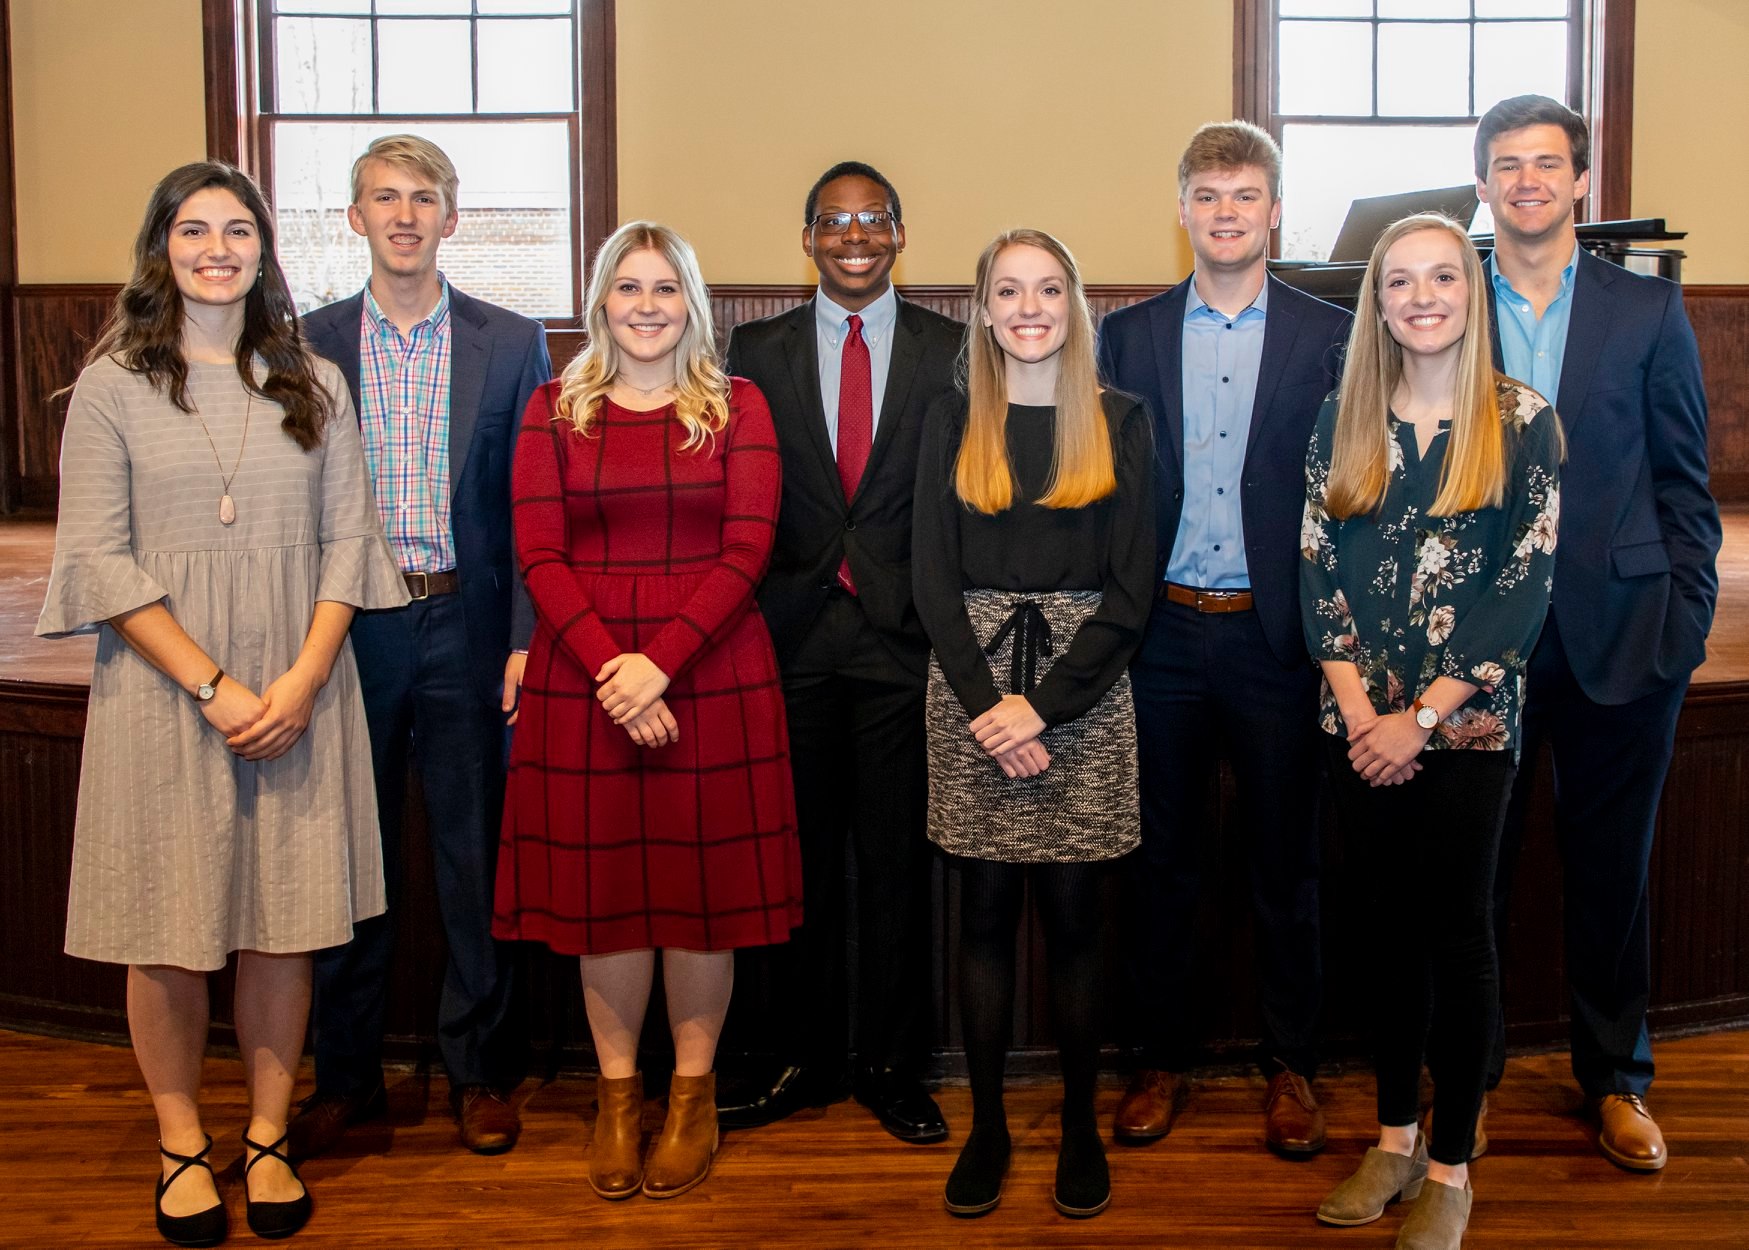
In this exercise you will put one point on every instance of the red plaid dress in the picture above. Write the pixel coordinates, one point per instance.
(629, 544)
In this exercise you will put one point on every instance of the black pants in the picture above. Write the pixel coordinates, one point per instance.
(1208, 685)
(857, 755)
(422, 700)
(1067, 899)
(1610, 764)
(1427, 850)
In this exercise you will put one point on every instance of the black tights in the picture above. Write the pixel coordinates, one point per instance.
(1067, 899)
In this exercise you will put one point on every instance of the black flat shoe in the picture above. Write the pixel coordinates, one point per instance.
(203, 1228)
(974, 1187)
(1083, 1187)
(274, 1220)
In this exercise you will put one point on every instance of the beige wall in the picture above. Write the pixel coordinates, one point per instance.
(107, 95)
(1691, 100)
(1065, 116)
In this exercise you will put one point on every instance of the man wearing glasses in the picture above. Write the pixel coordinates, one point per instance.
(848, 375)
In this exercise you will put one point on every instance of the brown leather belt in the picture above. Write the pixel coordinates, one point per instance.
(424, 585)
(1206, 600)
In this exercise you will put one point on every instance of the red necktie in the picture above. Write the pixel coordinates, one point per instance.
(855, 422)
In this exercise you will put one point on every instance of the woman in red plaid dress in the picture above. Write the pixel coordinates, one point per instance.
(649, 803)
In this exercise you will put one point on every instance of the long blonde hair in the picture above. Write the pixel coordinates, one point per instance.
(1474, 473)
(701, 401)
(1082, 471)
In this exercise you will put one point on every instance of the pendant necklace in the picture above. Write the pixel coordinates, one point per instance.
(227, 505)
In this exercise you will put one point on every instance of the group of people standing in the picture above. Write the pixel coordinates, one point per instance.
(873, 581)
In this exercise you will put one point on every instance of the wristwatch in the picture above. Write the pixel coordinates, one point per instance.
(207, 689)
(1425, 716)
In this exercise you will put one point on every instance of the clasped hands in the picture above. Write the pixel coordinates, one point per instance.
(1385, 750)
(629, 688)
(263, 726)
(1009, 733)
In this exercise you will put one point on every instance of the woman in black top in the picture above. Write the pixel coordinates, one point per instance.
(1428, 548)
(1033, 559)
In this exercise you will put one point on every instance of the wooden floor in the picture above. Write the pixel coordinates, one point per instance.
(27, 549)
(76, 1155)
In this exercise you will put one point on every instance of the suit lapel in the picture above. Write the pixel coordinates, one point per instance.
(1281, 326)
(337, 339)
(1166, 331)
(1587, 330)
(1494, 327)
(804, 366)
(468, 352)
(901, 373)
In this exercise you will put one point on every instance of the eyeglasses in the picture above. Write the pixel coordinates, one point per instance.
(874, 221)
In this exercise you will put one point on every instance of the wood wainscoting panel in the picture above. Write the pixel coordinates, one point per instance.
(1720, 316)
(55, 326)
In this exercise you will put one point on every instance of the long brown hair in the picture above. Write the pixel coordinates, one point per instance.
(144, 330)
(1474, 473)
(701, 401)
(1082, 468)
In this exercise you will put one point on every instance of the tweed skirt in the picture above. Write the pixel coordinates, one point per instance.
(1085, 806)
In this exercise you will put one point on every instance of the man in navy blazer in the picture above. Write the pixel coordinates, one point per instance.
(439, 381)
(1233, 365)
(1634, 584)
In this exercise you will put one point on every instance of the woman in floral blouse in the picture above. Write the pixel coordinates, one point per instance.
(1428, 545)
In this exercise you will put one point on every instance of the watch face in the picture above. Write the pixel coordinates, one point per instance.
(1427, 718)
(205, 692)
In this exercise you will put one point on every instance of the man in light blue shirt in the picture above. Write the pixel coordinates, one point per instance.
(1534, 347)
(1233, 365)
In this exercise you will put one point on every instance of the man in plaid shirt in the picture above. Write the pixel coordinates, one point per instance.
(440, 381)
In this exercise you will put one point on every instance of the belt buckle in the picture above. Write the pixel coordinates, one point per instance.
(424, 591)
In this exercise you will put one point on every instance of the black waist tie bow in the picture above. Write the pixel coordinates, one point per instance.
(1032, 638)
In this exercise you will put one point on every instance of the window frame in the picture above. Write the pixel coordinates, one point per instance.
(236, 48)
(1600, 62)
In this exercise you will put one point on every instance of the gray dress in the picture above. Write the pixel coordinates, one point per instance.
(182, 850)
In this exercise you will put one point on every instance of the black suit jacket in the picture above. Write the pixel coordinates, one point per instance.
(1635, 582)
(497, 359)
(1141, 351)
(816, 527)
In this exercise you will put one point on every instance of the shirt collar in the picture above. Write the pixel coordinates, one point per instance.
(1195, 303)
(436, 318)
(1504, 287)
(877, 318)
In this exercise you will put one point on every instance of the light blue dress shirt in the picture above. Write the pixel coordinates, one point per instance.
(1221, 359)
(831, 326)
(1531, 347)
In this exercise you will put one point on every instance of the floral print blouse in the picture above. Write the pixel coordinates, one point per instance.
(1409, 597)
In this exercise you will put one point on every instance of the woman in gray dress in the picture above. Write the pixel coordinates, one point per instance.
(217, 532)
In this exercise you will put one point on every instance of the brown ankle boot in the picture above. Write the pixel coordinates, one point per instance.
(681, 1157)
(616, 1160)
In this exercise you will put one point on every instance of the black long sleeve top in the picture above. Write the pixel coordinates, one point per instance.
(1107, 546)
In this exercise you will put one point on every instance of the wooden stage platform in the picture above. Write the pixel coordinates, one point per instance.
(76, 1139)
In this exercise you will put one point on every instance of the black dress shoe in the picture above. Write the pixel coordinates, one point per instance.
(902, 1105)
(753, 1104)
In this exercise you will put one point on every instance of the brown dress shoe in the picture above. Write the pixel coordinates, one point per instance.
(322, 1119)
(1149, 1105)
(681, 1157)
(489, 1124)
(1627, 1134)
(616, 1156)
(1293, 1122)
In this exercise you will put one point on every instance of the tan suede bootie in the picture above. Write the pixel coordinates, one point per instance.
(681, 1157)
(1382, 1178)
(1438, 1218)
(616, 1157)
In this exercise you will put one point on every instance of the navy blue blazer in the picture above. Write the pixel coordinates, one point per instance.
(1635, 582)
(1141, 351)
(497, 360)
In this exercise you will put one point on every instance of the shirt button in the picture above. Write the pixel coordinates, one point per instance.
(1217, 546)
(1524, 308)
(1226, 379)
(1220, 490)
(1223, 434)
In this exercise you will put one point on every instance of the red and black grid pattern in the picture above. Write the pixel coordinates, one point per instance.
(630, 544)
